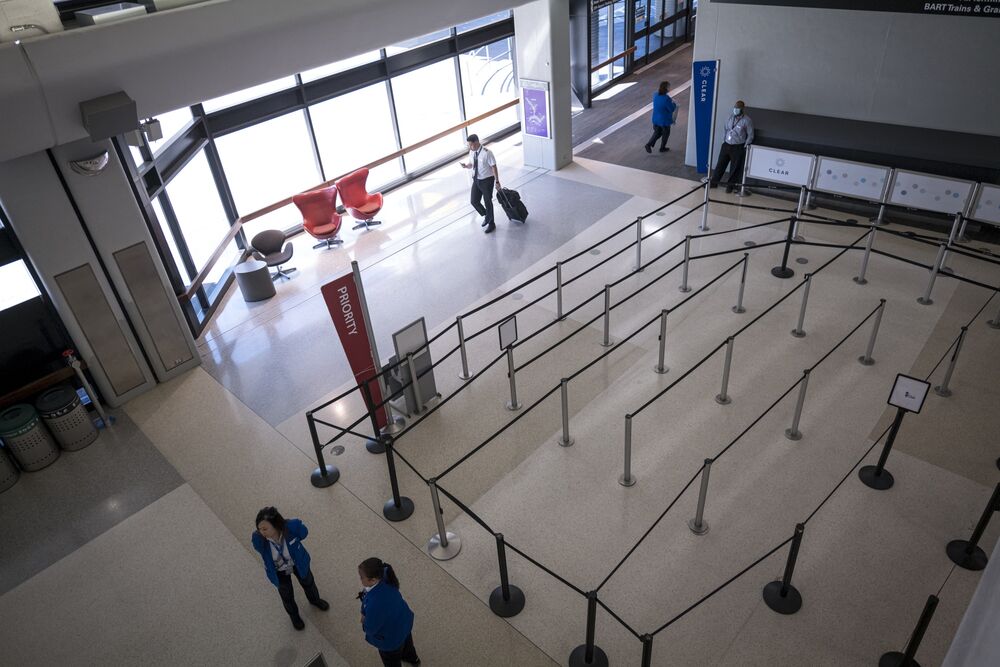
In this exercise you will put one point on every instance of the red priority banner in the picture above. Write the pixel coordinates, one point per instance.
(344, 303)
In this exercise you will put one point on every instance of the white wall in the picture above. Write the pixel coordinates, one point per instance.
(907, 69)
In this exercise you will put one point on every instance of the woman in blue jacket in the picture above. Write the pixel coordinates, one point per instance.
(663, 117)
(385, 616)
(279, 543)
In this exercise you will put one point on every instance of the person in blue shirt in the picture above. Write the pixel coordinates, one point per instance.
(664, 110)
(385, 616)
(279, 543)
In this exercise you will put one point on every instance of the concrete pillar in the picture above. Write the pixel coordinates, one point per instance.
(542, 37)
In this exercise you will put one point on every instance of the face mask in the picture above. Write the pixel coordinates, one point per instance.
(737, 111)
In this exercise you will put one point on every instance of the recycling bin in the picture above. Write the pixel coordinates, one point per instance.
(26, 438)
(66, 418)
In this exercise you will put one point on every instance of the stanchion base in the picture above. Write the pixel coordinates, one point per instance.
(660, 371)
(859, 280)
(793, 435)
(878, 482)
(578, 657)
(507, 608)
(895, 659)
(782, 272)
(723, 400)
(696, 529)
(397, 425)
(438, 552)
(684, 288)
(513, 407)
(611, 343)
(942, 391)
(626, 481)
(970, 561)
(789, 604)
(401, 513)
(464, 378)
(321, 481)
(744, 192)
(798, 333)
(799, 238)
(993, 324)
(924, 302)
(565, 443)
(739, 309)
(866, 361)
(374, 447)
(947, 269)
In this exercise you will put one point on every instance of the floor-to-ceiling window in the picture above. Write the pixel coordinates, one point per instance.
(608, 27)
(659, 26)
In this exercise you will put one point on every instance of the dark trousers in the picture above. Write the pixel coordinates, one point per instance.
(288, 595)
(730, 152)
(658, 132)
(482, 194)
(406, 652)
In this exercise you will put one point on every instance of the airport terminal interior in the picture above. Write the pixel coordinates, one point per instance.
(702, 372)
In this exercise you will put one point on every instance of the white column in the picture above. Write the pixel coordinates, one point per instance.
(542, 37)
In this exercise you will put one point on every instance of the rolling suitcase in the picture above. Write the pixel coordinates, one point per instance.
(512, 205)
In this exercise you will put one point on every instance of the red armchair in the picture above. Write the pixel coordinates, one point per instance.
(319, 215)
(361, 204)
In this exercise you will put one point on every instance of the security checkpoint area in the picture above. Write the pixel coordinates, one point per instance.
(710, 429)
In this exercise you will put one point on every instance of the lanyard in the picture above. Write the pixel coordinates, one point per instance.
(280, 548)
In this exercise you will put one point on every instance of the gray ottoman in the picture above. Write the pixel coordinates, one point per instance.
(254, 280)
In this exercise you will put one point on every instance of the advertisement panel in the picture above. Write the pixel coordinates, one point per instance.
(535, 108)
(987, 8)
(704, 84)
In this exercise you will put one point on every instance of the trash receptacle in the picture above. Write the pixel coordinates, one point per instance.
(63, 413)
(26, 438)
(8, 470)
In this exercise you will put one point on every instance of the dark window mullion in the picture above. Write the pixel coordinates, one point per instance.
(309, 128)
(175, 229)
(395, 121)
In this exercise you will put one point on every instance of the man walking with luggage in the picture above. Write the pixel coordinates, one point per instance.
(484, 179)
(738, 135)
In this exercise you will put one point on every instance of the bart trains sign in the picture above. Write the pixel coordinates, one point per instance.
(956, 8)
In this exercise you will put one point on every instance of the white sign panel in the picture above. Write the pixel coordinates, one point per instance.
(930, 193)
(987, 205)
(777, 166)
(852, 179)
(908, 393)
(508, 332)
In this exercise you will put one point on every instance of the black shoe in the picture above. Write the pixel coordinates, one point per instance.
(729, 189)
(322, 605)
(649, 149)
(483, 223)
(664, 149)
(491, 228)
(298, 624)
(415, 662)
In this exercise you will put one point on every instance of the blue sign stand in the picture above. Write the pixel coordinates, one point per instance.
(704, 91)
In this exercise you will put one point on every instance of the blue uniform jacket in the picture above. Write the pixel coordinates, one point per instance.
(388, 619)
(295, 532)
(663, 109)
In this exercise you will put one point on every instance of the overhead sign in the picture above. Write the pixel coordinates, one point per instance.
(930, 193)
(953, 8)
(908, 393)
(704, 89)
(777, 166)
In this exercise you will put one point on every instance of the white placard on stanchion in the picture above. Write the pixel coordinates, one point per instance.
(508, 332)
(927, 192)
(858, 180)
(780, 166)
(986, 206)
(908, 393)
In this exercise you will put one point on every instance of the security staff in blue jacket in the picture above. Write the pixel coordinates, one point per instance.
(664, 109)
(279, 543)
(385, 616)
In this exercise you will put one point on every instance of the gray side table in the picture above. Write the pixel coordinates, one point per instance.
(254, 280)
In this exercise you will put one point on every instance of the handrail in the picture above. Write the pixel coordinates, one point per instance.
(270, 208)
(610, 60)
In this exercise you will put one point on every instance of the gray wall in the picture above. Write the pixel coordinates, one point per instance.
(906, 69)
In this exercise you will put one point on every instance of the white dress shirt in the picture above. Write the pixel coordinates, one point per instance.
(483, 164)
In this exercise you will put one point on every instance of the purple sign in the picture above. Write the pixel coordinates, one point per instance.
(536, 112)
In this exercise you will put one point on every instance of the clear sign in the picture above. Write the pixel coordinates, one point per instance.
(987, 205)
(852, 179)
(508, 332)
(930, 193)
(908, 393)
(778, 166)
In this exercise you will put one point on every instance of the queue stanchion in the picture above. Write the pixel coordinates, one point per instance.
(952, 235)
(443, 545)
(798, 214)
(565, 440)
(638, 243)
(906, 658)
(968, 554)
(744, 191)
(588, 654)
(627, 478)
(607, 341)
(876, 476)
(943, 389)
(506, 600)
(512, 404)
(374, 444)
(687, 261)
(326, 474)
(879, 218)
(926, 299)
(866, 359)
(995, 322)
(722, 398)
(704, 211)
(798, 331)
(397, 508)
(781, 596)
(698, 525)
(659, 367)
(738, 308)
(860, 278)
(962, 238)
(559, 297)
(647, 650)
(794, 433)
(783, 271)
(464, 375)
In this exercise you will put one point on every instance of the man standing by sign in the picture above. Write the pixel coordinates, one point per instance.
(738, 135)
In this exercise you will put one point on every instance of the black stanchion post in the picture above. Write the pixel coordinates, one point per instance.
(589, 655)
(783, 271)
(967, 553)
(505, 600)
(876, 476)
(905, 659)
(397, 508)
(781, 596)
(325, 475)
(647, 650)
(943, 389)
(373, 445)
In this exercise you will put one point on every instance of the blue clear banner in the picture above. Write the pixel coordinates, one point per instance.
(703, 82)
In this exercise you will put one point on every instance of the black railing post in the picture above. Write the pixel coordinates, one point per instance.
(967, 553)
(781, 596)
(374, 446)
(783, 271)
(325, 475)
(589, 655)
(397, 508)
(906, 658)
(647, 650)
(876, 476)
(505, 600)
